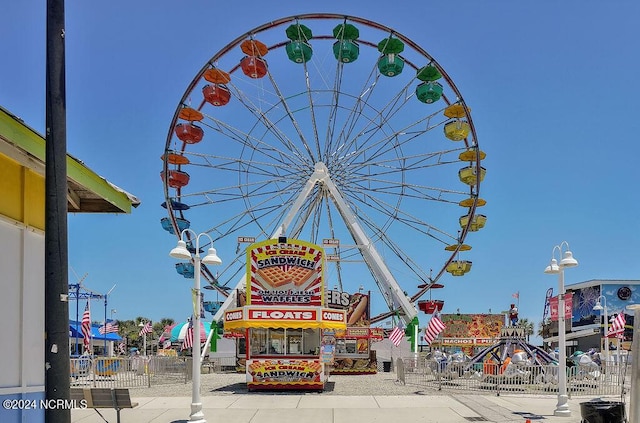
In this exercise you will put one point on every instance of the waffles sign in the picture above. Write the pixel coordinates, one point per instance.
(285, 273)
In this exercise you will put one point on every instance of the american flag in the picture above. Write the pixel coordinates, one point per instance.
(617, 325)
(109, 327)
(397, 334)
(147, 328)
(188, 337)
(86, 327)
(122, 347)
(516, 295)
(434, 327)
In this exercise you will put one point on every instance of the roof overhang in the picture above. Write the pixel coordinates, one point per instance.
(87, 192)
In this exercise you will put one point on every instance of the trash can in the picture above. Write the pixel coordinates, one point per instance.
(386, 366)
(602, 412)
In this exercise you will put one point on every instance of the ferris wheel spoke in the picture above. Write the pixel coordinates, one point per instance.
(255, 213)
(394, 214)
(382, 146)
(289, 113)
(243, 138)
(271, 127)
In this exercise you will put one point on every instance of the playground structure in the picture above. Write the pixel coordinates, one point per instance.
(513, 361)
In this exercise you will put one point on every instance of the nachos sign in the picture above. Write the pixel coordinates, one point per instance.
(285, 273)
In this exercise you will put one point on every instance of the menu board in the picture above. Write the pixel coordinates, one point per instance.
(282, 273)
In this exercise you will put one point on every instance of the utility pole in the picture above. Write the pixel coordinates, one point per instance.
(56, 290)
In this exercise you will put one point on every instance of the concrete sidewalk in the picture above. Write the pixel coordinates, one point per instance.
(265, 408)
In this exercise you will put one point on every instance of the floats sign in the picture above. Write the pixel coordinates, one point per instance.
(285, 273)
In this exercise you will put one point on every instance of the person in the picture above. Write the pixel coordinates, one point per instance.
(513, 315)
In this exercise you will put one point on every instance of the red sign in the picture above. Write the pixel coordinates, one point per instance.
(288, 314)
(568, 307)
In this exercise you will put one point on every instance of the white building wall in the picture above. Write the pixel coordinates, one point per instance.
(22, 316)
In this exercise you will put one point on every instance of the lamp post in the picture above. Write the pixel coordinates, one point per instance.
(634, 402)
(599, 307)
(567, 260)
(182, 253)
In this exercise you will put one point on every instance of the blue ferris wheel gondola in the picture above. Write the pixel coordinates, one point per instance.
(167, 226)
(186, 270)
(176, 205)
(212, 306)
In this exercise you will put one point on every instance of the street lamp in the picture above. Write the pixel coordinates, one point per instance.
(180, 252)
(567, 260)
(599, 307)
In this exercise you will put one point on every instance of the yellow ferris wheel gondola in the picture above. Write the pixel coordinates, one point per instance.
(452, 247)
(468, 202)
(459, 267)
(477, 222)
(470, 155)
(457, 130)
(470, 176)
(456, 110)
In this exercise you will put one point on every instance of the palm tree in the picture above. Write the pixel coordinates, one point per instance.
(527, 325)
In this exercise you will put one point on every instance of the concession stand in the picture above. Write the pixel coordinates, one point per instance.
(288, 331)
(353, 353)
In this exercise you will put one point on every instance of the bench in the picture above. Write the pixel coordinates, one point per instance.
(117, 398)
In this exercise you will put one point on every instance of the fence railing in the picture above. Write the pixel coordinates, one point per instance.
(612, 379)
(129, 372)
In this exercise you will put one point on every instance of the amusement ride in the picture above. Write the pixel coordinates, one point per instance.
(336, 130)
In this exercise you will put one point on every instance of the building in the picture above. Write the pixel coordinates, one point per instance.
(585, 329)
(22, 241)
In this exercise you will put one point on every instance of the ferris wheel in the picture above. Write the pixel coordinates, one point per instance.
(338, 131)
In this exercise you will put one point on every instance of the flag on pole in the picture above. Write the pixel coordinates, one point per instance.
(397, 334)
(147, 328)
(434, 327)
(617, 326)
(516, 295)
(86, 327)
(109, 327)
(188, 337)
(122, 348)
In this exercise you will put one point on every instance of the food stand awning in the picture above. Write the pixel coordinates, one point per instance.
(285, 317)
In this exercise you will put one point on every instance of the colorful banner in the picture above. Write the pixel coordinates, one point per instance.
(284, 371)
(288, 273)
(485, 326)
(568, 307)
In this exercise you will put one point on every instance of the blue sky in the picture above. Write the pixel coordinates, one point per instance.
(552, 85)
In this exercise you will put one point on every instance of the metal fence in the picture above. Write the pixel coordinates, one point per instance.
(612, 379)
(129, 372)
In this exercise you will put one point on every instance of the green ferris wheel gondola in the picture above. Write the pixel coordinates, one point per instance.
(299, 51)
(298, 32)
(346, 49)
(346, 31)
(390, 46)
(428, 73)
(390, 64)
(429, 92)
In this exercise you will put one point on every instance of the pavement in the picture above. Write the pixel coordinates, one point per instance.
(261, 407)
